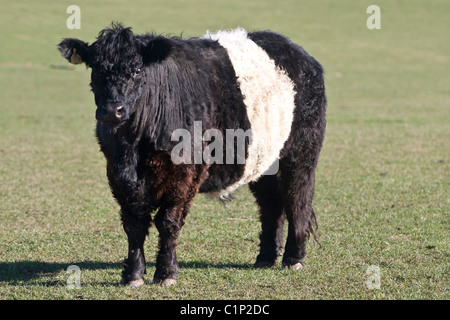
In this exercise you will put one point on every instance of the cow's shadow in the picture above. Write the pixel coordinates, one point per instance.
(56, 273)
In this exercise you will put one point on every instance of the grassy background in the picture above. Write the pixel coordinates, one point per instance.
(381, 187)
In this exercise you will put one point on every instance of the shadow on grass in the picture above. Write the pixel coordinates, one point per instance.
(45, 273)
(49, 273)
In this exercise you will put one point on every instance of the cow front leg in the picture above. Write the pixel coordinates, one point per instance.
(134, 266)
(169, 223)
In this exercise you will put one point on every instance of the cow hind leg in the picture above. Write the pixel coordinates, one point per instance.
(297, 184)
(268, 197)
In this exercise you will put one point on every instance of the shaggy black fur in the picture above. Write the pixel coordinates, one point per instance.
(147, 86)
(293, 186)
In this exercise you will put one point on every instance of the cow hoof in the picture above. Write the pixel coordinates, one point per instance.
(168, 283)
(165, 283)
(296, 266)
(132, 283)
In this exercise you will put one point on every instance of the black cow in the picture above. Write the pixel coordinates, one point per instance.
(258, 91)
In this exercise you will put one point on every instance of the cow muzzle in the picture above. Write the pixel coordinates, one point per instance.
(111, 113)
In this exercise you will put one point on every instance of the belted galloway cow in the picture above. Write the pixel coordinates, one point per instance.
(177, 117)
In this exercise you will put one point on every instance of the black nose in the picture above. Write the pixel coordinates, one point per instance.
(110, 112)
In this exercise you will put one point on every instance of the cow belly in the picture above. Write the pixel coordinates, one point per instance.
(269, 99)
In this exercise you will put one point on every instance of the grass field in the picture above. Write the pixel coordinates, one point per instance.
(382, 184)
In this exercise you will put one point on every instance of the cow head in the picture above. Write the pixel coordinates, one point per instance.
(118, 60)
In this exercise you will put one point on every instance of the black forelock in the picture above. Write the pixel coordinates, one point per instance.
(116, 50)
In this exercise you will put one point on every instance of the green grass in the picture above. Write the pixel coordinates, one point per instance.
(381, 186)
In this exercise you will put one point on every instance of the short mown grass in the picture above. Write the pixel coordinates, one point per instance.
(382, 184)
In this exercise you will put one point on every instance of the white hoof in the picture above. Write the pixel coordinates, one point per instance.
(296, 266)
(165, 283)
(136, 283)
(133, 283)
(168, 282)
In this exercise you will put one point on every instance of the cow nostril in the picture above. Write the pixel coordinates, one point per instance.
(120, 111)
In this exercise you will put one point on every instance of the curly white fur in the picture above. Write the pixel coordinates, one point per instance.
(269, 97)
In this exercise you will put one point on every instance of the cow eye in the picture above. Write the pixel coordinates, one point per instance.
(137, 72)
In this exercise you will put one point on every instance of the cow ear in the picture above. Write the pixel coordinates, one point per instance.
(156, 50)
(74, 50)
